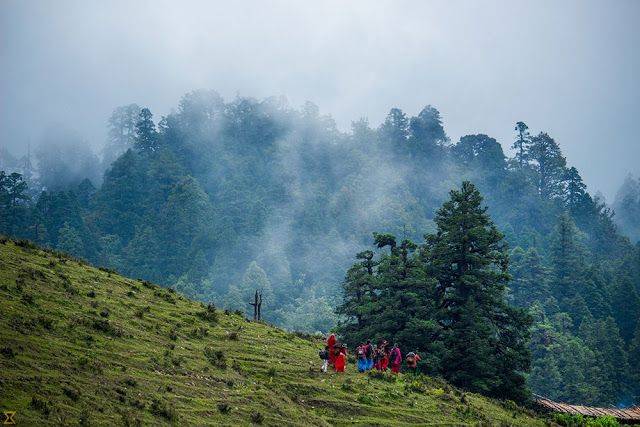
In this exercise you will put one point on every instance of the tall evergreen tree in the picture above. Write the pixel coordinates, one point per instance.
(567, 259)
(426, 132)
(146, 136)
(121, 132)
(549, 165)
(13, 204)
(530, 277)
(395, 128)
(486, 340)
(521, 144)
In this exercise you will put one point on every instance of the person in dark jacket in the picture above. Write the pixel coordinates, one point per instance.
(324, 356)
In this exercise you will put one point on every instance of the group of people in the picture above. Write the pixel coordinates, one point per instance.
(380, 357)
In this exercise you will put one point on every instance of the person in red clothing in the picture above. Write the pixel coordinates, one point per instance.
(395, 358)
(341, 360)
(331, 342)
(384, 362)
(379, 355)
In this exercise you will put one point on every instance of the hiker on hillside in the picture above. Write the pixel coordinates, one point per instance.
(377, 358)
(341, 359)
(395, 359)
(383, 355)
(331, 342)
(368, 351)
(324, 355)
(412, 360)
(361, 357)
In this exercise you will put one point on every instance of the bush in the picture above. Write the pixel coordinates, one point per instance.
(366, 399)
(26, 244)
(103, 325)
(137, 403)
(71, 393)
(109, 271)
(165, 296)
(91, 294)
(257, 417)
(104, 313)
(163, 409)
(28, 299)
(40, 405)
(605, 421)
(347, 385)
(416, 386)
(131, 382)
(8, 352)
(233, 336)
(216, 357)
(224, 408)
(209, 314)
(199, 332)
(139, 313)
(578, 420)
(384, 376)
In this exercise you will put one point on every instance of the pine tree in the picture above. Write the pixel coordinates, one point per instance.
(576, 197)
(359, 290)
(530, 277)
(469, 260)
(146, 139)
(627, 307)
(549, 165)
(395, 128)
(121, 132)
(521, 144)
(427, 134)
(567, 256)
(13, 204)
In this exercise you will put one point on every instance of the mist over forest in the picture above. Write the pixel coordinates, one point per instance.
(222, 198)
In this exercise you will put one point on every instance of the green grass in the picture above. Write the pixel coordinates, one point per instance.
(80, 345)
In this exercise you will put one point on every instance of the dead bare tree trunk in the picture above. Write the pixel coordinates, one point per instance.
(259, 302)
(255, 306)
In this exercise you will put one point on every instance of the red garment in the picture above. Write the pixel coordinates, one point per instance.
(395, 369)
(340, 363)
(384, 363)
(331, 342)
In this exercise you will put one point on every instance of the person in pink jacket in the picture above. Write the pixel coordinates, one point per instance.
(395, 359)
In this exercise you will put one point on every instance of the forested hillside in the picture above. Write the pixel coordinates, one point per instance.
(220, 198)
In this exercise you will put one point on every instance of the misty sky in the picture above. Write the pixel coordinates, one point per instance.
(569, 68)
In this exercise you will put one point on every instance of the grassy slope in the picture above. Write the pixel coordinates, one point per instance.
(147, 364)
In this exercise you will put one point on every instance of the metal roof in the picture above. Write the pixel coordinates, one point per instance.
(627, 415)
